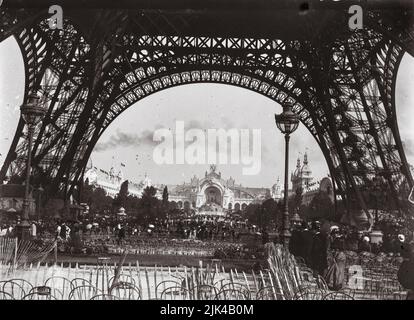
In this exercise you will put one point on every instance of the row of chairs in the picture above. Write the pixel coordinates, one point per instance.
(60, 288)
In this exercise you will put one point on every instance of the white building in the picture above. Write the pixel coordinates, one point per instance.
(213, 193)
(111, 181)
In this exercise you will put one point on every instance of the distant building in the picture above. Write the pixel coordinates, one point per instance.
(302, 178)
(213, 193)
(111, 181)
(277, 192)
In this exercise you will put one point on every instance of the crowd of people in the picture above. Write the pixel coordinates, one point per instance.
(95, 235)
(342, 237)
(321, 246)
(325, 251)
(198, 228)
(305, 236)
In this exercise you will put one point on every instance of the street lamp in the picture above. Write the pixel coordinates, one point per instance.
(287, 122)
(32, 113)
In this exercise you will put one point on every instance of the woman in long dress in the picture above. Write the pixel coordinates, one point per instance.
(335, 274)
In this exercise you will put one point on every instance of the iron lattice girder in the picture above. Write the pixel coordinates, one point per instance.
(283, 19)
(88, 81)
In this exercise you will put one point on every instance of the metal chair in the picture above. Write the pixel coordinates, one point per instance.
(37, 296)
(337, 296)
(236, 286)
(126, 291)
(232, 294)
(165, 284)
(105, 297)
(205, 292)
(61, 287)
(122, 278)
(83, 293)
(175, 293)
(6, 296)
(1, 284)
(18, 288)
(348, 291)
(40, 293)
(77, 282)
(309, 294)
(269, 293)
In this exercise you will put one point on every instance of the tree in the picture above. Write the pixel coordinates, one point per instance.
(271, 212)
(149, 205)
(165, 198)
(253, 212)
(263, 214)
(121, 198)
(149, 193)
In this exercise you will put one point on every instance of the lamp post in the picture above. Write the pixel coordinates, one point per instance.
(31, 113)
(287, 122)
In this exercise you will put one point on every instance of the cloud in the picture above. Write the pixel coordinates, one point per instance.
(408, 145)
(123, 139)
(225, 123)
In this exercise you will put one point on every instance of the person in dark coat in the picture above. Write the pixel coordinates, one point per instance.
(335, 275)
(319, 252)
(307, 242)
(295, 243)
(63, 231)
(120, 232)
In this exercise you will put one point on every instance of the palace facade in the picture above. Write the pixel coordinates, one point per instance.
(213, 193)
(210, 194)
(111, 181)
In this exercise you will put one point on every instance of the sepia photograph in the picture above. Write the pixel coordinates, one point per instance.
(206, 150)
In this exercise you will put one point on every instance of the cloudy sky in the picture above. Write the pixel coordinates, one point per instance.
(129, 139)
